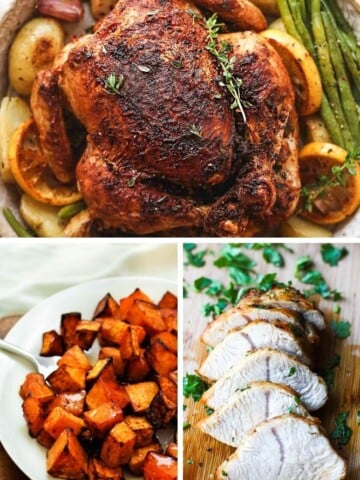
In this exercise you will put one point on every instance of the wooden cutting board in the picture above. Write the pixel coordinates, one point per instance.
(202, 454)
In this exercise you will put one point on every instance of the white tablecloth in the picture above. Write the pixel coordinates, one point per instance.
(31, 271)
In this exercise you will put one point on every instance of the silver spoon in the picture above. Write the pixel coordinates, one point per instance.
(44, 365)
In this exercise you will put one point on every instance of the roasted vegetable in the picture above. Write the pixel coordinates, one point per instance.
(68, 11)
(52, 344)
(160, 467)
(66, 458)
(118, 446)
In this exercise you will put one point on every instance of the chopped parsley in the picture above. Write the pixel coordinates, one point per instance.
(195, 259)
(209, 411)
(306, 273)
(194, 387)
(271, 252)
(328, 372)
(337, 309)
(292, 371)
(186, 425)
(331, 254)
(342, 432)
(223, 473)
(211, 287)
(341, 329)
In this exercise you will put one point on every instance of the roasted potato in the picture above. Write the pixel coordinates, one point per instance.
(34, 49)
(43, 219)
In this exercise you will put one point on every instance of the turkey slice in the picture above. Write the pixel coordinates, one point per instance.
(254, 335)
(248, 408)
(284, 448)
(271, 366)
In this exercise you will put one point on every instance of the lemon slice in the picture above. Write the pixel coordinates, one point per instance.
(302, 70)
(333, 203)
(32, 173)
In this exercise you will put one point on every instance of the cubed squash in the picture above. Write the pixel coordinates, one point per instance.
(168, 300)
(35, 386)
(52, 344)
(75, 357)
(66, 458)
(85, 333)
(143, 429)
(118, 445)
(127, 303)
(67, 379)
(68, 325)
(159, 467)
(71, 402)
(34, 415)
(161, 358)
(97, 470)
(59, 420)
(115, 354)
(141, 395)
(102, 418)
(107, 307)
(137, 460)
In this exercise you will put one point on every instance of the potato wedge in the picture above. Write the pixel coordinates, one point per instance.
(316, 129)
(299, 227)
(42, 219)
(13, 112)
(34, 49)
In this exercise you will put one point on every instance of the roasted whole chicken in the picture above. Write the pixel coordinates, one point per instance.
(166, 149)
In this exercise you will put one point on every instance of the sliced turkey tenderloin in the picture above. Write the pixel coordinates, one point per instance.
(285, 297)
(254, 335)
(284, 448)
(240, 316)
(248, 408)
(272, 366)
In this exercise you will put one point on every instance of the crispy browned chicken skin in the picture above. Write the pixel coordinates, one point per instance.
(164, 147)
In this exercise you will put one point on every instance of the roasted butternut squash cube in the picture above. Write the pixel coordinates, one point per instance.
(141, 333)
(148, 316)
(75, 357)
(68, 324)
(104, 391)
(159, 467)
(161, 411)
(113, 331)
(137, 368)
(115, 354)
(102, 418)
(66, 458)
(143, 429)
(34, 415)
(85, 333)
(174, 376)
(45, 439)
(67, 379)
(59, 420)
(168, 388)
(71, 402)
(127, 303)
(52, 344)
(99, 471)
(172, 450)
(168, 300)
(170, 319)
(107, 307)
(98, 369)
(161, 358)
(137, 459)
(168, 339)
(141, 395)
(118, 445)
(35, 386)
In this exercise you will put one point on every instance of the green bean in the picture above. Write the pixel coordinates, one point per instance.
(301, 26)
(327, 73)
(70, 210)
(15, 224)
(302, 5)
(347, 99)
(288, 19)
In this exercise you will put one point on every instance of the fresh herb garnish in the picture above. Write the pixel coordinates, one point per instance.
(358, 417)
(186, 425)
(240, 265)
(292, 371)
(195, 259)
(307, 274)
(328, 373)
(209, 411)
(112, 84)
(177, 64)
(221, 53)
(211, 287)
(337, 309)
(195, 130)
(271, 252)
(193, 386)
(341, 329)
(331, 254)
(342, 432)
(190, 461)
(338, 176)
(223, 473)
(297, 400)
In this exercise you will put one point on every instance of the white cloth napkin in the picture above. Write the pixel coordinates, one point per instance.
(32, 271)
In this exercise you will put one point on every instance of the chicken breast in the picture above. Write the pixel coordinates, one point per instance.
(239, 316)
(284, 448)
(238, 343)
(271, 366)
(286, 297)
(248, 408)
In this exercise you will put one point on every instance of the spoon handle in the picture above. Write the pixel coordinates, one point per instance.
(10, 348)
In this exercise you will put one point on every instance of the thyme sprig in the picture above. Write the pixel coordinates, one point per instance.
(221, 53)
(337, 178)
(112, 84)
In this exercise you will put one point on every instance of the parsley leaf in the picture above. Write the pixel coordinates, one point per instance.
(211, 287)
(328, 372)
(194, 387)
(292, 371)
(331, 254)
(240, 265)
(195, 259)
(186, 425)
(307, 274)
(341, 329)
(342, 432)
